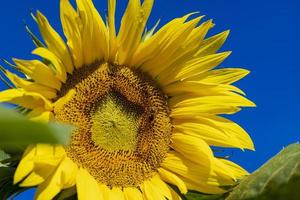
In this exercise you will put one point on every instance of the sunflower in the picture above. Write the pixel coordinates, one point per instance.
(148, 106)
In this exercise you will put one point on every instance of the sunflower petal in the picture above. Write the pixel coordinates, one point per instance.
(39, 72)
(29, 86)
(33, 179)
(231, 129)
(54, 42)
(192, 148)
(132, 27)
(197, 66)
(35, 158)
(216, 131)
(199, 88)
(61, 73)
(186, 49)
(116, 194)
(44, 166)
(112, 29)
(175, 195)
(161, 186)
(221, 104)
(203, 187)
(105, 191)
(25, 166)
(151, 191)
(59, 104)
(171, 178)
(40, 115)
(221, 76)
(26, 99)
(63, 177)
(186, 168)
(236, 171)
(151, 48)
(72, 27)
(168, 50)
(212, 44)
(94, 33)
(132, 193)
(195, 176)
(87, 186)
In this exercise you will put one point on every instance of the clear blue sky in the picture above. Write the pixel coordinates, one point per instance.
(265, 38)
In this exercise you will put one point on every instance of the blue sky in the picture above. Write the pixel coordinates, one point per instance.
(264, 39)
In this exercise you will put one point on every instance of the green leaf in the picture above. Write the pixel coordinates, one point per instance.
(3, 156)
(278, 179)
(16, 131)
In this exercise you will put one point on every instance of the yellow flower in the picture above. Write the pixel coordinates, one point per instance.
(147, 106)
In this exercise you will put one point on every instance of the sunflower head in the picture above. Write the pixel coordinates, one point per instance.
(146, 105)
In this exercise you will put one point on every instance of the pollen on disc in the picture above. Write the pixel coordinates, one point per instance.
(123, 122)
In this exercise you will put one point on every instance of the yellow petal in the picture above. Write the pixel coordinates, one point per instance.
(169, 49)
(186, 169)
(105, 191)
(158, 43)
(132, 193)
(132, 27)
(187, 48)
(54, 42)
(87, 186)
(171, 178)
(161, 187)
(30, 86)
(196, 177)
(36, 157)
(44, 165)
(112, 30)
(61, 73)
(26, 165)
(199, 88)
(72, 26)
(237, 170)
(212, 44)
(39, 72)
(230, 128)
(59, 104)
(197, 66)
(116, 194)
(214, 132)
(26, 99)
(228, 172)
(221, 104)
(94, 33)
(203, 187)
(221, 76)
(150, 191)
(40, 115)
(175, 195)
(195, 38)
(32, 180)
(194, 149)
(63, 177)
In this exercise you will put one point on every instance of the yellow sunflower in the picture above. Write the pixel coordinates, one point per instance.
(146, 105)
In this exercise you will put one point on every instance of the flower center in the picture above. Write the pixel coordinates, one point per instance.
(115, 126)
(123, 122)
